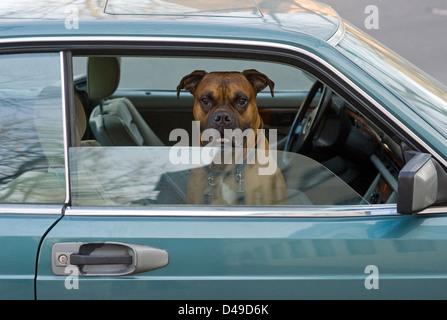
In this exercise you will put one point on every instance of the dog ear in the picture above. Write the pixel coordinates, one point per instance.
(259, 80)
(191, 81)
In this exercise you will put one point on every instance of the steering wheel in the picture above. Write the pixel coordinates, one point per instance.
(305, 124)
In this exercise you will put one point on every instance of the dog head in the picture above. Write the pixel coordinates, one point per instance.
(226, 100)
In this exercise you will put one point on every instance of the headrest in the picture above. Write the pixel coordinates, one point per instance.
(81, 124)
(103, 76)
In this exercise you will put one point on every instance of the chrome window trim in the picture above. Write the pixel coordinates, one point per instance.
(31, 209)
(436, 210)
(237, 211)
(338, 34)
(188, 211)
(64, 85)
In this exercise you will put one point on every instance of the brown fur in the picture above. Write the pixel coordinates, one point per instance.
(227, 100)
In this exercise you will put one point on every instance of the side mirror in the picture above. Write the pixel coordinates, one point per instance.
(421, 183)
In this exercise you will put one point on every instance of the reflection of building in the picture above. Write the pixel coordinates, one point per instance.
(38, 9)
(94, 9)
(293, 15)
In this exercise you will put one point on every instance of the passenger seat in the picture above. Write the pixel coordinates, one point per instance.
(114, 122)
(81, 125)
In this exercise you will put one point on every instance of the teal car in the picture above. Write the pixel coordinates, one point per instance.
(99, 148)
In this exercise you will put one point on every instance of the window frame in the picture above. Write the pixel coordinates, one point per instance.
(45, 208)
(296, 56)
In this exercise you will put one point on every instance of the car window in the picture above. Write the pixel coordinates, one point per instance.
(158, 146)
(31, 130)
(159, 73)
(134, 176)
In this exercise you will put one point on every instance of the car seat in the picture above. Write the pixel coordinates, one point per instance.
(114, 122)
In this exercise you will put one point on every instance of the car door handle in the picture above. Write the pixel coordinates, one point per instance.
(106, 258)
(80, 259)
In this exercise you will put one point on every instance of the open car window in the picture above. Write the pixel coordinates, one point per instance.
(173, 69)
(141, 143)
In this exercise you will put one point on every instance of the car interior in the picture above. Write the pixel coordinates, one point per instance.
(351, 148)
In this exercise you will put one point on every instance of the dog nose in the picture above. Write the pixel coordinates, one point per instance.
(223, 118)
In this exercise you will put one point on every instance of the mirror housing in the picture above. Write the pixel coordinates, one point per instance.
(421, 183)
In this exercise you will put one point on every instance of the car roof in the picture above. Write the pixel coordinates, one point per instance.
(119, 17)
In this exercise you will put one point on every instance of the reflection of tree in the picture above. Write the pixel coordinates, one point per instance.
(99, 9)
(19, 146)
(49, 9)
(20, 150)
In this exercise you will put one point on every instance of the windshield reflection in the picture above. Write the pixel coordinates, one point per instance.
(425, 95)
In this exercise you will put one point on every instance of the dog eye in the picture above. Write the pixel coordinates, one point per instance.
(241, 102)
(205, 101)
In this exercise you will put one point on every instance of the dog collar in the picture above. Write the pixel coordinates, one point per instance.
(209, 195)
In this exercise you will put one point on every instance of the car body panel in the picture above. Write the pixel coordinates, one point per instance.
(261, 258)
(20, 237)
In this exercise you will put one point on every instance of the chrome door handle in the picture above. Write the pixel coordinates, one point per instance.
(106, 258)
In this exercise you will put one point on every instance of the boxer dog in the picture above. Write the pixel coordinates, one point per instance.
(226, 101)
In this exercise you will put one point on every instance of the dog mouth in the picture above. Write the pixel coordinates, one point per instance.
(220, 142)
(225, 141)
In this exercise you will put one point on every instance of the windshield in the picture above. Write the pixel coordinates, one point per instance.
(425, 95)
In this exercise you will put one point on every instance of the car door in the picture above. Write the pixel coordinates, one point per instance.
(204, 255)
(127, 234)
(32, 180)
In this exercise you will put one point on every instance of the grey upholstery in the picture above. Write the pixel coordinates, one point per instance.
(81, 125)
(114, 122)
